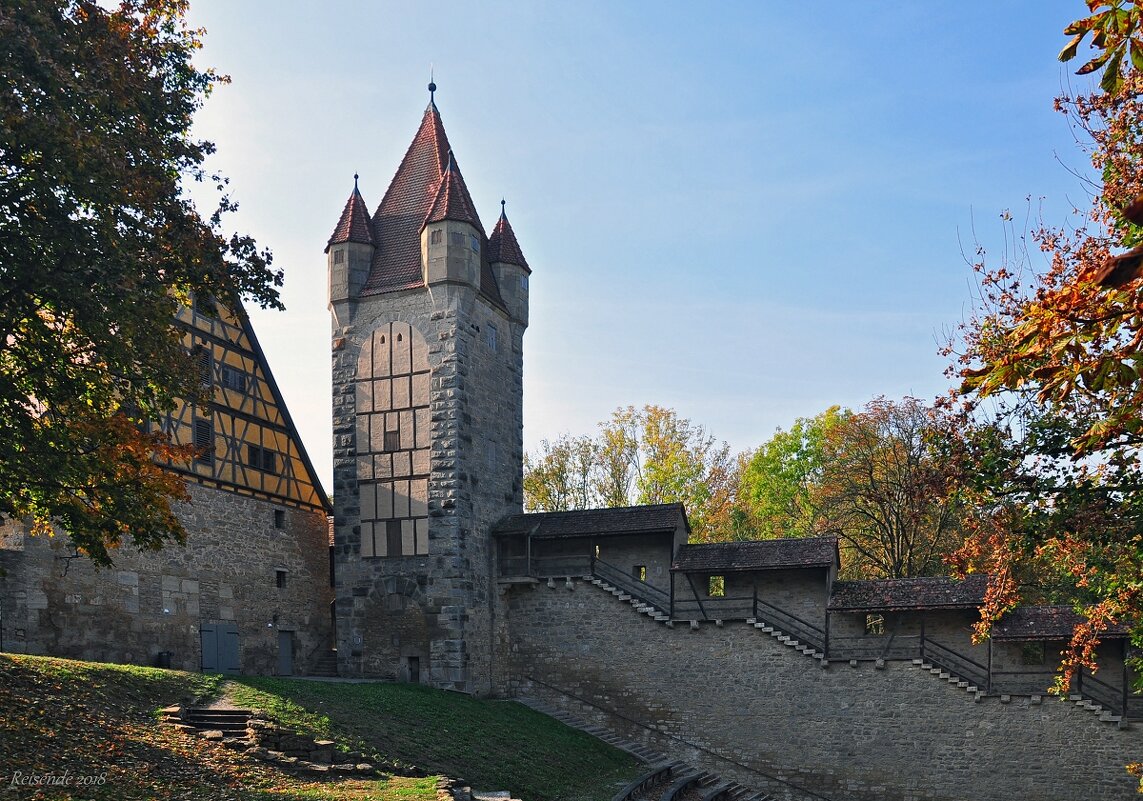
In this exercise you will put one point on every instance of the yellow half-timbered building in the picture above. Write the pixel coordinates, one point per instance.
(245, 439)
(250, 592)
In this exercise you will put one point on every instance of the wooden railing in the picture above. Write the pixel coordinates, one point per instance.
(955, 662)
(869, 647)
(801, 630)
(648, 593)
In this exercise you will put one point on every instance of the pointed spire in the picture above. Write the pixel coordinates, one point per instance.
(354, 224)
(502, 245)
(432, 89)
(453, 202)
(398, 220)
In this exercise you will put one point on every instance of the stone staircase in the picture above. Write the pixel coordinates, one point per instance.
(950, 677)
(677, 781)
(256, 736)
(206, 721)
(326, 665)
(644, 755)
(1105, 715)
(787, 640)
(640, 606)
(661, 616)
(666, 781)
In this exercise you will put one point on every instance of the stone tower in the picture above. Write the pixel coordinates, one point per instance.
(429, 315)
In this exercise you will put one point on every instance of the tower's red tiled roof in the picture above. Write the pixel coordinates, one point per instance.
(453, 202)
(502, 245)
(398, 220)
(425, 189)
(354, 225)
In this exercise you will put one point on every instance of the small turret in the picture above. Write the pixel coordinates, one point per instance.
(451, 239)
(510, 268)
(349, 251)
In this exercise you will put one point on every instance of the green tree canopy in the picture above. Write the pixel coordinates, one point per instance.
(640, 456)
(777, 483)
(99, 244)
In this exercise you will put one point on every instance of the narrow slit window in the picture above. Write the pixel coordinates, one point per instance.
(204, 441)
(392, 440)
(280, 578)
(393, 537)
(639, 572)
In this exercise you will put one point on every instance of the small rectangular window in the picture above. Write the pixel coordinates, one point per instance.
(493, 337)
(279, 518)
(1032, 653)
(280, 578)
(204, 441)
(639, 572)
(393, 537)
(875, 624)
(338, 256)
(474, 242)
(262, 459)
(524, 283)
(205, 366)
(232, 378)
(716, 587)
(392, 440)
(456, 238)
(435, 237)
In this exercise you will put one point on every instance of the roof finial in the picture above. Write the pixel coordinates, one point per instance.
(502, 213)
(354, 181)
(432, 86)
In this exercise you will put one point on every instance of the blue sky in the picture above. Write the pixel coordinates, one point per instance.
(747, 211)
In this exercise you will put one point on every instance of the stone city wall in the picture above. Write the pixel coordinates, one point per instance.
(734, 700)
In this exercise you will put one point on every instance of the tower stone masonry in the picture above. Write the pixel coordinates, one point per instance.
(429, 315)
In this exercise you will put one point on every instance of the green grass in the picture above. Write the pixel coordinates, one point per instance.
(492, 745)
(99, 721)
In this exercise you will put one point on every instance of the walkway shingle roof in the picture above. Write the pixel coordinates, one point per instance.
(596, 522)
(1045, 623)
(724, 557)
(929, 592)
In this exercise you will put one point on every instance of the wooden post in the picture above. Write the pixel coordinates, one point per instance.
(922, 636)
(825, 643)
(988, 685)
(1124, 653)
(528, 552)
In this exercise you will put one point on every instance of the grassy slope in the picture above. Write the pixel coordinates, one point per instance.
(91, 719)
(490, 744)
(94, 720)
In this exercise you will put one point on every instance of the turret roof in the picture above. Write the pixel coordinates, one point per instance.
(453, 202)
(354, 225)
(427, 187)
(398, 220)
(502, 245)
